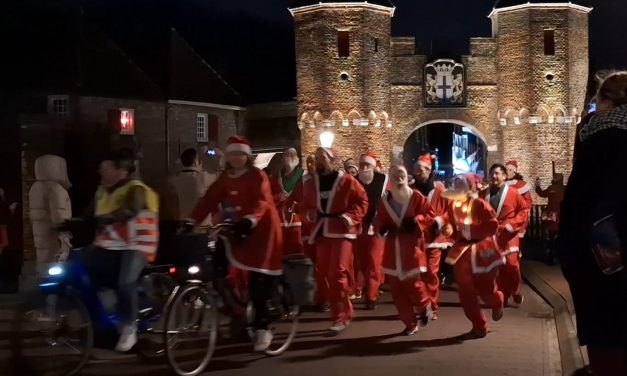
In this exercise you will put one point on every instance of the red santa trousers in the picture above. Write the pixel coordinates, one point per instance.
(407, 294)
(369, 256)
(471, 287)
(292, 240)
(431, 277)
(334, 260)
(508, 280)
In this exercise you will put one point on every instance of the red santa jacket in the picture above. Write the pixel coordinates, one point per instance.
(525, 191)
(289, 218)
(511, 214)
(474, 228)
(404, 254)
(247, 196)
(439, 205)
(347, 204)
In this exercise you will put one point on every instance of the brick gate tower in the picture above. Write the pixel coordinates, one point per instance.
(343, 75)
(542, 73)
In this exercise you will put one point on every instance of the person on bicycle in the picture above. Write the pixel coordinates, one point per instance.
(242, 194)
(126, 214)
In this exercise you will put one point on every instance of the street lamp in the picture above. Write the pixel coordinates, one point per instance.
(326, 139)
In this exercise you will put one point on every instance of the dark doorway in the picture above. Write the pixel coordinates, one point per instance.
(457, 148)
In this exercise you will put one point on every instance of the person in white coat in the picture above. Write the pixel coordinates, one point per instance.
(50, 205)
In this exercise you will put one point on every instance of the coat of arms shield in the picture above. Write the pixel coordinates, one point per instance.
(444, 84)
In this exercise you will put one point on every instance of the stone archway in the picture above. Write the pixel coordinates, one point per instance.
(455, 152)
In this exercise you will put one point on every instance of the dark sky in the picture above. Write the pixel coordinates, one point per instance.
(443, 27)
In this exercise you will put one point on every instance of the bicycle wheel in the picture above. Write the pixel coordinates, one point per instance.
(191, 330)
(53, 335)
(283, 326)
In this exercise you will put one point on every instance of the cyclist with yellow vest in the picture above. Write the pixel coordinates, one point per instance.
(126, 213)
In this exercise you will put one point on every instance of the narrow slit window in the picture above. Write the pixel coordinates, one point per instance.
(549, 42)
(343, 43)
(376, 44)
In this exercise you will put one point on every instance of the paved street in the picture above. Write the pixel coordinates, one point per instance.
(523, 343)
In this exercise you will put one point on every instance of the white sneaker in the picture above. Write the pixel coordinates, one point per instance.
(128, 339)
(263, 339)
(339, 326)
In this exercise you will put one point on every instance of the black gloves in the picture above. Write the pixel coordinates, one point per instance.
(242, 228)
(383, 230)
(409, 224)
(104, 220)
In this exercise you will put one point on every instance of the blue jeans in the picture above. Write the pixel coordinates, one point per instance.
(119, 270)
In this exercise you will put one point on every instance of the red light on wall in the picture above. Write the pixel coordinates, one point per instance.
(127, 121)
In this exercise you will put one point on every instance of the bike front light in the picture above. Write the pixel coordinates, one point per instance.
(193, 269)
(55, 270)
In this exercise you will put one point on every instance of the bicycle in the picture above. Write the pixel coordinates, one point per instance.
(54, 330)
(203, 291)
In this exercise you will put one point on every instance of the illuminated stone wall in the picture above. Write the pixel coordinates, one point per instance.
(523, 104)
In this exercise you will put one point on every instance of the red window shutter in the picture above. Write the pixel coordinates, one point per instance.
(213, 128)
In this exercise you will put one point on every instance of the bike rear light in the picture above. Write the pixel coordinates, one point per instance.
(172, 270)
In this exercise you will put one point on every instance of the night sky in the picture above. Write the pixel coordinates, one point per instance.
(251, 42)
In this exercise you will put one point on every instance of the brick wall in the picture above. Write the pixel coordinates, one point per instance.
(366, 89)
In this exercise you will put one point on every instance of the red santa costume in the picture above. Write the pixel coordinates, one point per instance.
(281, 186)
(369, 247)
(236, 197)
(475, 255)
(511, 213)
(244, 196)
(524, 189)
(402, 217)
(435, 242)
(334, 204)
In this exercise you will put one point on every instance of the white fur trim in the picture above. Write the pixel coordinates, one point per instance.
(509, 228)
(511, 250)
(348, 219)
(439, 245)
(439, 221)
(239, 147)
(368, 159)
(237, 264)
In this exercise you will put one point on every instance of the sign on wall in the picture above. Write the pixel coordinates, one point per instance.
(444, 84)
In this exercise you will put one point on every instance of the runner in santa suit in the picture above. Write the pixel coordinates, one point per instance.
(515, 180)
(436, 243)
(243, 194)
(335, 203)
(511, 214)
(369, 247)
(282, 185)
(475, 255)
(402, 216)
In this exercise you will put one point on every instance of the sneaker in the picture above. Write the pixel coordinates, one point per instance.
(338, 327)
(263, 339)
(370, 305)
(426, 316)
(474, 334)
(410, 331)
(355, 296)
(497, 313)
(434, 316)
(518, 298)
(128, 339)
(325, 307)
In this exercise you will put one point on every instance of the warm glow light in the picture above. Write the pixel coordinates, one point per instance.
(464, 209)
(458, 204)
(326, 139)
(467, 221)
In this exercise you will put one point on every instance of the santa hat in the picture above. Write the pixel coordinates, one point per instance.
(370, 158)
(426, 160)
(513, 164)
(350, 163)
(238, 143)
(462, 184)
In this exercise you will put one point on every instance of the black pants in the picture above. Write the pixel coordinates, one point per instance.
(262, 288)
(119, 270)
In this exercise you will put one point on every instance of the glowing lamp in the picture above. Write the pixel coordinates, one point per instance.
(127, 121)
(458, 204)
(467, 221)
(326, 139)
(464, 209)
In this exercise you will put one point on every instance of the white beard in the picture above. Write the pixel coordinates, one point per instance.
(401, 194)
